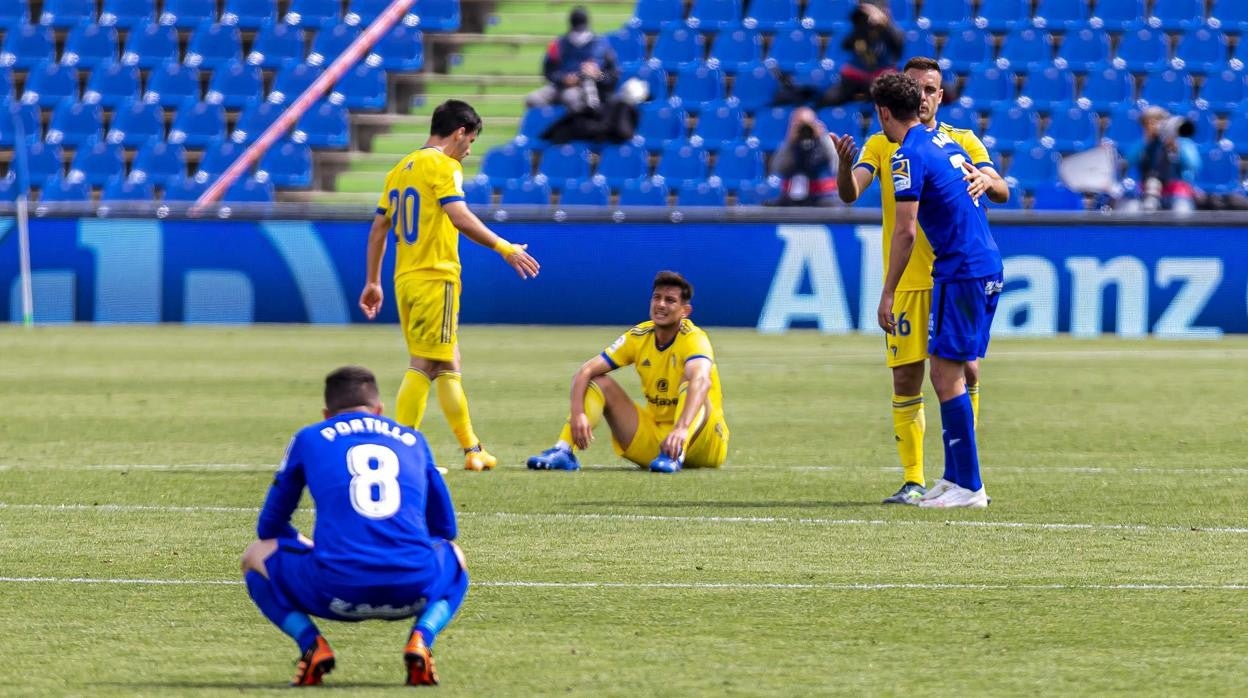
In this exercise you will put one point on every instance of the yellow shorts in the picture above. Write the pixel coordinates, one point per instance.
(429, 315)
(707, 449)
(908, 343)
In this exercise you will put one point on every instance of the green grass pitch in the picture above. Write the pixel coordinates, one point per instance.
(1113, 560)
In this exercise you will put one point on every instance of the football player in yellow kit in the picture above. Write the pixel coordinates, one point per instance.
(422, 205)
(906, 346)
(682, 420)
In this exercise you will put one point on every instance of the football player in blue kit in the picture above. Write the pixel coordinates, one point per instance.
(928, 172)
(383, 534)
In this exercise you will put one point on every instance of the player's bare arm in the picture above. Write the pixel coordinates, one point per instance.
(905, 228)
(850, 180)
(372, 295)
(582, 433)
(986, 180)
(698, 379)
(472, 228)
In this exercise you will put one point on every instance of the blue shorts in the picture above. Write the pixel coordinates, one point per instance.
(961, 317)
(297, 577)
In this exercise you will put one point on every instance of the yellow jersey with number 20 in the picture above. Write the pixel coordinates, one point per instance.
(426, 242)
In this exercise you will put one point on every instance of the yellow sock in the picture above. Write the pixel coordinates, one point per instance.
(973, 391)
(455, 406)
(409, 406)
(595, 401)
(909, 423)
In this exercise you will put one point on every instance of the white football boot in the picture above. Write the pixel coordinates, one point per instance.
(942, 485)
(957, 497)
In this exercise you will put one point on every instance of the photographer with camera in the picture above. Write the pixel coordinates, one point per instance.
(580, 68)
(1166, 161)
(805, 163)
(874, 45)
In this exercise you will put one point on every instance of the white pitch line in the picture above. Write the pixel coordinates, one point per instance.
(665, 518)
(730, 586)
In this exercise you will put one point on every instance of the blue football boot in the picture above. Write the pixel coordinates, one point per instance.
(665, 464)
(554, 459)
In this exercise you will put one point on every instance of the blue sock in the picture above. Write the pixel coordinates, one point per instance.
(291, 621)
(438, 614)
(958, 423)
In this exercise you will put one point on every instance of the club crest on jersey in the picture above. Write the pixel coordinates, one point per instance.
(901, 174)
(661, 385)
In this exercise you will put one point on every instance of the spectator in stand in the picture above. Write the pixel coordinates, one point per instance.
(1166, 161)
(805, 163)
(580, 68)
(874, 45)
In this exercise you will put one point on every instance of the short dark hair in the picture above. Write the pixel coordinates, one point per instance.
(900, 93)
(452, 115)
(671, 278)
(350, 386)
(921, 63)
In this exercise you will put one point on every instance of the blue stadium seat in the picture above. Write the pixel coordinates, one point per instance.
(402, 49)
(9, 188)
(1124, 125)
(219, 154)
(170, 85)
(1061, 15)
(770, 127)
(196, 123)
(478, 192)
(682, 162)
(313, 13)
(945, 15)
(1106, 86)
(817, 75)
(158, 161)
(871, 197)
(236, 82)
(661, 122)
(365, 12)
(331, 41)
(14, 13)
(720, 123)
(89, 45)
(792, 45)
(50, 82)
(651, 191)
(1204, 122)
(112, 83)
(829, 15)
(1169, 89)
(715, 15)
(629, 44)
(128, 189)
(13, 112)
(188, 14)
(325, 125)
(1180, 15)
(585, 192)
(678, 45)
(26, 46)
(622, 162)
(739, 163)
(136, 122)
(439, 15)
(1143, 49)
(1073, 129)
(755, 87)
(1027, 50)
(127, 14)
(75, 123)
(737, 49)
(182, 189)
(1055, 197)
(651, 73)
(1117, 15)
(959, 116)
(249, 14)
(842, 120)
(702, 193)
(249, 191)
(1219, 172)
(214, 45)
(1236, 136)
(44, 160)
(1201, 50)
(275, 43)
(652, 15)
(902, 11)
(535, 122)
(1224, 91)
(1085, 49)
(919, 42)
(363, 88)
(1231, 15)
(256, 118)
(150, 45)
(507, 162)
(697, 83)
(99, 161)
(66, 14)
(757, 192)
(1034, 164)
(769, 16)
(1003, 15)
(69, 189)
(988, 87)
(6, 83)
(1051, 88)
(291, 81)
(965, 49)
(1010, 124)
(569, 161)
(526, 192)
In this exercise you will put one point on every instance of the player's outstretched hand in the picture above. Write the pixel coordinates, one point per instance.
(370, 300)
(523, 262)
(846, 150)
(976, 181)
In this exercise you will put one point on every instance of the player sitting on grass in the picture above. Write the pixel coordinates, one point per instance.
(682, 422)
(384, 526)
